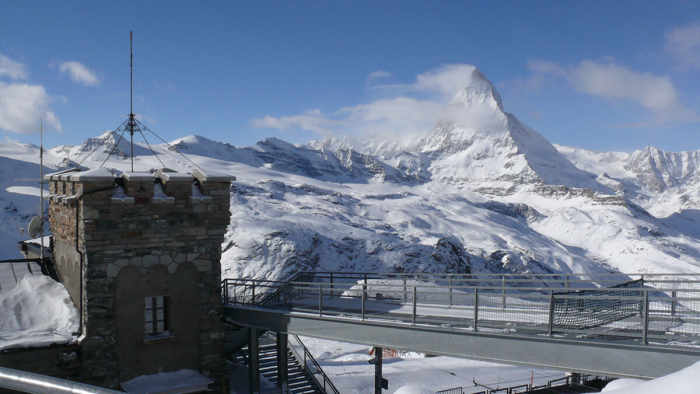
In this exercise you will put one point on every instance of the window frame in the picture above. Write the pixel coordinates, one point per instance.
(151, 329)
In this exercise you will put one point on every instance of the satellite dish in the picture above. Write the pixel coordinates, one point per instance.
(36, 227)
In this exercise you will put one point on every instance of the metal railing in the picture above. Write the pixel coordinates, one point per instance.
(327, 384)
(28, 382)
(661, 308)
(526, 388)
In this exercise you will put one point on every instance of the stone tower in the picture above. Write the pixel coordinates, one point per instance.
(140, 256)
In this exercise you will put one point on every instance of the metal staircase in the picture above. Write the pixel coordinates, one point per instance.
(301, 378)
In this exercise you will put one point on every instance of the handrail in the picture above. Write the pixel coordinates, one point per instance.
(28, 382)
(327, 383)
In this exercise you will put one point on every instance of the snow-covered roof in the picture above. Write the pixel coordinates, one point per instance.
(36, 310)
(182, 381)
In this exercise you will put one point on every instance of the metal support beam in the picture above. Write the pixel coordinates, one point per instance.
(254, 359)
(282, 362)
(378, 370)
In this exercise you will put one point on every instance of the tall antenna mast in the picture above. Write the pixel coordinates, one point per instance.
(41, 187)
(131, 96)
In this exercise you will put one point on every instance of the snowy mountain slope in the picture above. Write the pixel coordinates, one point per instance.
(479, 145)
(664, 183)
(481, 192)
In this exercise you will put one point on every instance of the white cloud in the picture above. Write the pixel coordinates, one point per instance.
(12, 68)
(683, 44)
(397, 117)
(78, 72)
(615, 82)
(374, 75)
(21, 107)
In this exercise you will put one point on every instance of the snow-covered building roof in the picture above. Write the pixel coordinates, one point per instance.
(36, 310)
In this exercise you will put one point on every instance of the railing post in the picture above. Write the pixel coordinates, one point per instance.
(645, 327)
(285, 288)
(405, 290)
(550, 329)
(673, 303)
(503, 291)
(567, 281)
(476, 308)
(415, 301)
(332, 287)
(252, 299)
(364, 299)
(320, 299)
(449, 284)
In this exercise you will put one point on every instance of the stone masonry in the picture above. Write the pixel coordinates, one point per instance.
(142, 235)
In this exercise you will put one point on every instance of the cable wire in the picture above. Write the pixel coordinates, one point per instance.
(112, 151)
(98, 145)
(168, 145)
(149, 147)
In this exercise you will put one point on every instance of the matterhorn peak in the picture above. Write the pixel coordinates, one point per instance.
(479, 91)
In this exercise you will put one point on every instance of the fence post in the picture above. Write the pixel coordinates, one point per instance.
(476, 308)
(252, 290)
(320, 299)
(415, 298)
(551, 313)
(503, 291)
(449, 283)
(645, 327)
(405, 291)
(567, 281)
(364, 299)
(673, 303)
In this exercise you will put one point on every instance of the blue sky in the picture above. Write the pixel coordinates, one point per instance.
(603, 75)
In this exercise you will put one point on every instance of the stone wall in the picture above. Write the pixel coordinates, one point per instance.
(152, 225)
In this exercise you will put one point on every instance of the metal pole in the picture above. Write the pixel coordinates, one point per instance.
(405, 291)
(476, 308)
(131, 95)
(378, 370)
(282, 362)
(551, 313)
(415, 298)
(28, 382)
(320, 299)
(646, 318)
(252, 299)
(503, 291)
(673, 303)
(41, 186)
(449, 284)
(332, 287)
(254, 357)
(364, 299)
(567, 281)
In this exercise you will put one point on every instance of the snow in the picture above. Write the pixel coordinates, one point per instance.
(181, 381)
(37, 312)
(685, 381)
(348, 367)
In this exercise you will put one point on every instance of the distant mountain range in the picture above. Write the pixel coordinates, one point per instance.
(481, 192)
